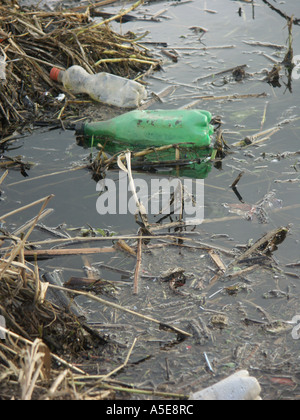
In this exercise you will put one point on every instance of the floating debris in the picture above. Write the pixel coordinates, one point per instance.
(34, 42)
(258, 211)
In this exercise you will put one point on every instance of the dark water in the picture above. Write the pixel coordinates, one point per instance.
(75, 199)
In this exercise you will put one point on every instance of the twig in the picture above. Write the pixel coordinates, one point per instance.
(105, 377)
(286, 181)
(47, 175)
(137, 267)
(75, 251)
(220, 73)
(198, 99)
(126, 59)
(217, 260)
(242, 272)
(28, 206)
(80, 239)
(234, 184)
(284, 15)
(61, 377)
(216, 47)
(22, 228)
(264, 116)
(258, 137)
(121, 244)
(3, 176)
(166, 395)
(134, 237)
(265, 44)
(168, 91)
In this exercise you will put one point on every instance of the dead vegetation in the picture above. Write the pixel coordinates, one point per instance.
(32, 42)
(49, 352)
(38, 333)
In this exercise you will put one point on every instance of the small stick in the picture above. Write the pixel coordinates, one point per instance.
(198, 99)
(28, 206)
(242, 272)
(234, 184)
(114, 269)
(3, 176)
(75, 251)
(258, 137)
(216, 47)
(168, 91)
(166, 395)
(125, 247)
(264, 115)
(48, 175)
(170, 55)
(217, 260)
(140, 207)
(61, 377)
(284, 15)
(137, 267)
(219, 73)
(264, 44)
(27, 225)
(105, 377)
(126, 59)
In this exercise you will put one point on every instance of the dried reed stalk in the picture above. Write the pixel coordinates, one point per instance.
(33, 366)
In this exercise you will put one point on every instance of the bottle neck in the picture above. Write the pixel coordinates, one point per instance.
(98, 129)
(60, 76)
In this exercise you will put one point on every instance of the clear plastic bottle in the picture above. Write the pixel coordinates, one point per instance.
(3, 67)
(238, 387)
(102, 87)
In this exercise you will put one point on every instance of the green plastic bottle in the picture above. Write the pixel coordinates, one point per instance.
(153, 128)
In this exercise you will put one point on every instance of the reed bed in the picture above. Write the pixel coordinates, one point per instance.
(32, 42)
(37, 335)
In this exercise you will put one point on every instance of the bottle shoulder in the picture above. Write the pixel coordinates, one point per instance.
(75, 75)
(173, 117)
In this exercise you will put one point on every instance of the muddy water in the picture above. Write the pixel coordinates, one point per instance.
(158, 360)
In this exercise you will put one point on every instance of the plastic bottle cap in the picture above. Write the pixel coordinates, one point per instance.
(54, 74)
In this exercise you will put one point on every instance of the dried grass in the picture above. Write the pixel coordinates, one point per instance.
(33, 42)
(38, 333)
